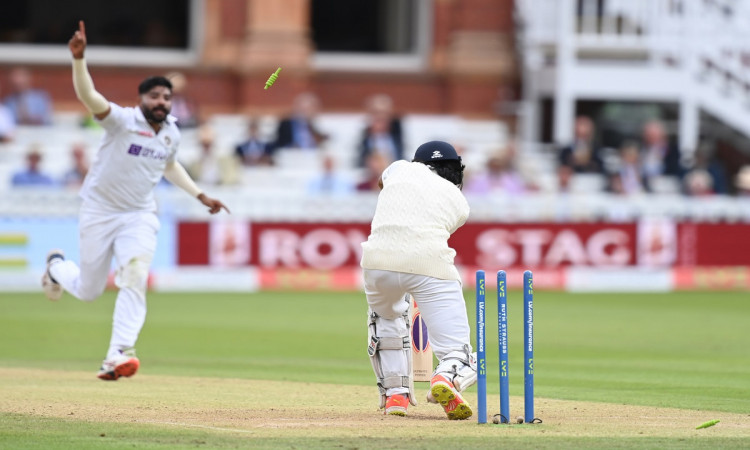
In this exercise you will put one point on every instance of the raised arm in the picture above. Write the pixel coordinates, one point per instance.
(82, 82)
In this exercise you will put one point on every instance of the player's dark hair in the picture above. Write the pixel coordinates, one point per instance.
(150, 82)
(450, 169)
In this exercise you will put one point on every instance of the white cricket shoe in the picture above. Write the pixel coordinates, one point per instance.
(52, 288)
(123, 365)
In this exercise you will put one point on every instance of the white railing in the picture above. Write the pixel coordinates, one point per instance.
(580, 205)
(636, 24)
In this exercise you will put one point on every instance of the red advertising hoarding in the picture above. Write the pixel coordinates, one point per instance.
(328, 246)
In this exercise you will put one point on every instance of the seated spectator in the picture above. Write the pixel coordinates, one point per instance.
(659, 156)
(705, 161)
(582, 155)
(499, 176)
(210, 168)
(564, 178)
(29, 106)
(630, 177)
(74, 177)
(32, 175)
(375, 164)
(254, 151)
(183, 106)
(698, 183)
(298, 130)
(383, 132)
(329, 182)
(742, 182)
(7, 123)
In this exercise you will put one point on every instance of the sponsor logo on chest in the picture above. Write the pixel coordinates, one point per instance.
(146, 152)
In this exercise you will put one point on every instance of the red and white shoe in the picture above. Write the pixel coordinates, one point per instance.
(123, 365)
(443, 391)
(396, 405)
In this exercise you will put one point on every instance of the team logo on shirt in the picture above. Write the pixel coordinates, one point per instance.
(437, 154)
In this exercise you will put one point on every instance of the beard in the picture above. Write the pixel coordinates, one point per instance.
(156, 114)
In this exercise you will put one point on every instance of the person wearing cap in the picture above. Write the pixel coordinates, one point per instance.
(419, 206)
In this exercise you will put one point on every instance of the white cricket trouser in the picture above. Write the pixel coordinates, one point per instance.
(441, 304)
(131, 238)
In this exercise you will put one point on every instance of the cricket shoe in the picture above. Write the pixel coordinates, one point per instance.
(443, 392)
(396, 405)
(124, 364)
(51, 287)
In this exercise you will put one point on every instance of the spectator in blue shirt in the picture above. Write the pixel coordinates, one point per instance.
(32, 174)
(298, 130)
(29, 106)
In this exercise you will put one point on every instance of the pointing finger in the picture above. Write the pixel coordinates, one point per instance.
(82, 28)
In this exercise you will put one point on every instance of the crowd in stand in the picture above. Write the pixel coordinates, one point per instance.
(630, 169)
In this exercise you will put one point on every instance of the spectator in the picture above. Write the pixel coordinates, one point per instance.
(29, 106)
(582, 155)
(659, 157)
(375, 165)
(383, 132)
(706, 162)
(298, 130)
(499, 176)
(254, 151)
(698, 183)
(210, 168)
(32, 175)
(74, 177)
(630, 177)
(183, 106)
(329, 182)
(742, 181)
(7, 123)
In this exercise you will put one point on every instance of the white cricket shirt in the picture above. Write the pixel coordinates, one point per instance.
(417, 211)
(130, 162)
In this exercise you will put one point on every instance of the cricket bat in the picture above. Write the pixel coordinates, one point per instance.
(420, 345)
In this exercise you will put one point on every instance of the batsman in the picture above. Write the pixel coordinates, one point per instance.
(419, 206)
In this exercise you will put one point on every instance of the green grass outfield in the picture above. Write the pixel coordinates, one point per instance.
(689, 351)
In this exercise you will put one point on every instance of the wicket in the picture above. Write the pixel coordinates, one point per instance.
(502, 342)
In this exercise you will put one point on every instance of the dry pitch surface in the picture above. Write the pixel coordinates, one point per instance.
(269, 410)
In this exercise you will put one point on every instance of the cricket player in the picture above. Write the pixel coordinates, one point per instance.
(419, 207)
(118, 211)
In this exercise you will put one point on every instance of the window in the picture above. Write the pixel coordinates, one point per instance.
(119, 32)
(370, 35)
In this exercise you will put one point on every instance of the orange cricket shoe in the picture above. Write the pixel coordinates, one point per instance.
(450, 399)
(396, 405)
(123, 365)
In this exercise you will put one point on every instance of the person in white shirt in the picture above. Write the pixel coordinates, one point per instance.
(118, 213)
(419, 207)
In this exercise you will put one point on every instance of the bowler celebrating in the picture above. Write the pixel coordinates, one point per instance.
(118, 212)
(419, 207)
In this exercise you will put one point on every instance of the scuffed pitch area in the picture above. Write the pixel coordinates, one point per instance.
(272, 409)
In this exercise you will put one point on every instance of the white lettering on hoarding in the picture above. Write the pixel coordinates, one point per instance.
(495, 249)
(321, 248)
(534, 247)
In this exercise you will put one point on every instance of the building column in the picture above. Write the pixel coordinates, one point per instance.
(689, 125)
(564, 110)
(277, 35)
(479, 57)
